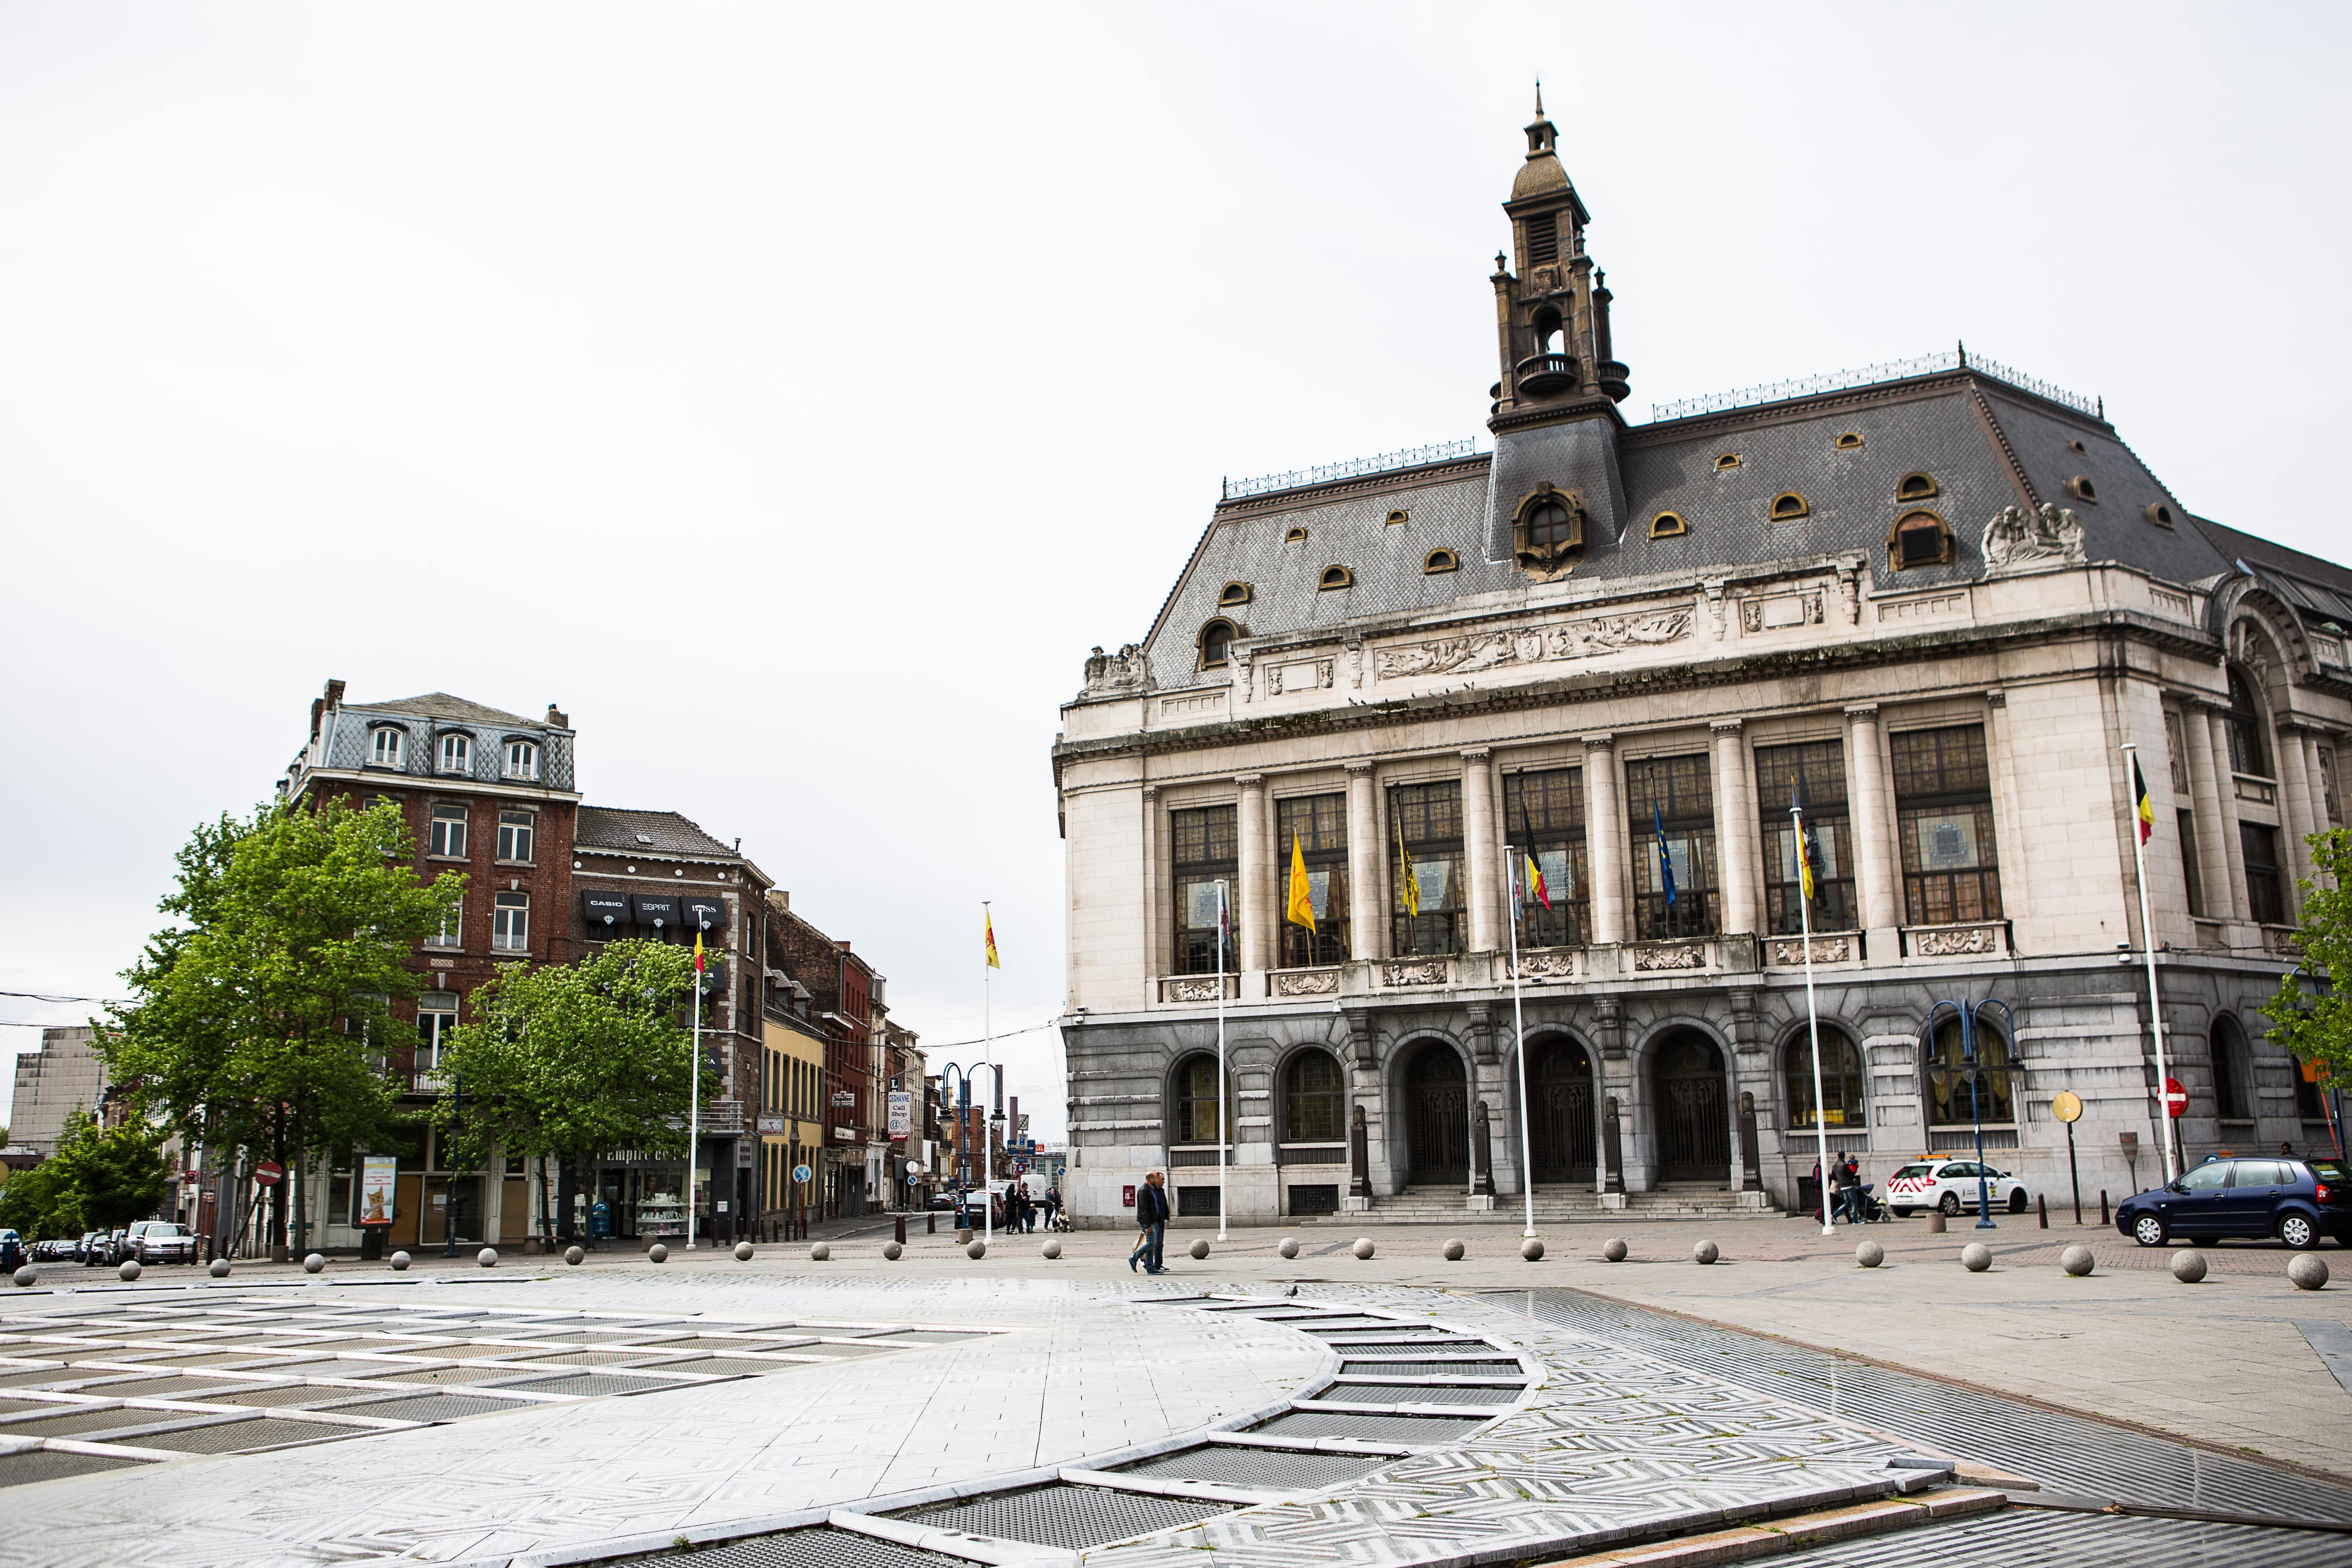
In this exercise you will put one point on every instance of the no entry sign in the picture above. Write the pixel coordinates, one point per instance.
(2176, 1098)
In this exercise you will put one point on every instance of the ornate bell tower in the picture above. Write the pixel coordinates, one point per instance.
(1553, 317)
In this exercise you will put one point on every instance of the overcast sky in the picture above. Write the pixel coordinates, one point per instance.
(794, 394)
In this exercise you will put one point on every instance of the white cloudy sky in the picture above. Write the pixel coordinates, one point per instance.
(794, 394)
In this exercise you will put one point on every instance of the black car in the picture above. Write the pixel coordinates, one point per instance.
(2296, 1200)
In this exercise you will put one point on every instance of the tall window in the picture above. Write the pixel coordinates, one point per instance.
(1544, 813)
(1216, 644)
(522, 759)
(2244, 725)
(1961, 1093)
(1427, 819)
(1319, 825)
(2233, 1094)
(510, 921)
(452, 928)
(1943, 815)
(1196, 1102)
(2307, 1104)
(514, 835)
(1842, 1104)
(456, 753)
(383, 746)
(1313, 1098)
(1813, 775)
(1206, 860)
(437, 1017)
(448, 836)
(2192, 874)
(2265, 891)
(1674, 791)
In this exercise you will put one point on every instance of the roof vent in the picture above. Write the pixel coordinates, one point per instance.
(645, 838)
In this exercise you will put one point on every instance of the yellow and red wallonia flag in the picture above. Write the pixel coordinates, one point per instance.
(1301, 911)
(697, 952)
(988, 934)
(2142, 807)
(1804, 859)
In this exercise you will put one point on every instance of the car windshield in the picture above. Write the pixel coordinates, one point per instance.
(1911, 1171)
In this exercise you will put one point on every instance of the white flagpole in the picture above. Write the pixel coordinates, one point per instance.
(1813, 1018)
(1519, 1029)
(996, 1087)
(694, 1111)
(2155, 1003)
(1224, 1131)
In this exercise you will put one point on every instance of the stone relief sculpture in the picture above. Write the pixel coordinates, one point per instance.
(1534, 645)
(1126, 670)
(2017, 538)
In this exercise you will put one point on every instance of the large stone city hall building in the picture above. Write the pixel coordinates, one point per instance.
(1932, 601)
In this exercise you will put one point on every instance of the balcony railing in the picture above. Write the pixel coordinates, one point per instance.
(1541, 375)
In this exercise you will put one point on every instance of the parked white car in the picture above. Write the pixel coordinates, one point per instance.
(1952, 1185)
(160, 1241)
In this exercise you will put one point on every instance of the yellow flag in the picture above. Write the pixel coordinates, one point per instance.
(1804, 860)
(1412, 881)
(1302, 893)
(988, 927)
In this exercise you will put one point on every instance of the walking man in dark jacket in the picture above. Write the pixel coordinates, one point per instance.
(1152, 1216)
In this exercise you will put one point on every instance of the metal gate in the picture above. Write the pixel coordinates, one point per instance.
(1437, 1118)
(1694, 1136)
(1560, 1112)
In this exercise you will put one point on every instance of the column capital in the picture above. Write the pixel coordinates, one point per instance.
(1477, 753)
(1152, 791)
(1725, 725)
(1357, 767)
(1601, 742)
(1996, 698)
(1861, 712)
(1250, 780)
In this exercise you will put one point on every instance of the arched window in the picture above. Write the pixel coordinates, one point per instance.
(2233, 1090)
(1216, 644)
(1788, 506)
(1916, 487)
(384, 746)
(1961, 1093)
(1440, 560)
(1548, 527)
(1848, 441)
(1233, 593)
(2244, 724)
(1918, 539)
(1314, 1099)
(1547, 326)
(1841, 1103)
(1336, 577)
(2081, 489)
(1196, 1102)
(1668, 526)
(1294, 537)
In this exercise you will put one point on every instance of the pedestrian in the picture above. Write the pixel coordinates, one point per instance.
(1835, 1210)
(1151, 1214)
(1820, 1193)
(1854, 1189)
(1053, 1206)
(2287, 1151)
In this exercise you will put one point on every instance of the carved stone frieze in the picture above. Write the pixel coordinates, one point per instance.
(1413, 972)
(1190, 989)
(1789, 953)
(1954, 941)
(1666, 957)
(1534, 645)
(1306, 675)
(2016, 539)
(1306, 982)
(1547, 966)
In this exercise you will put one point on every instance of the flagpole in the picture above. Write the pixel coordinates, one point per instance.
(1224, 1131)
(1813, 1018)
(694, 1096)
(996, 1084)
(2148, 934)
(1519, 1029)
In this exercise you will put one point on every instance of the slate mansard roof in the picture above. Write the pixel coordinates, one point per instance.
(638, 832)
(1985, 444)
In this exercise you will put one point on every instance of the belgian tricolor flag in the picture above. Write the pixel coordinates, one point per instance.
(2142, 807)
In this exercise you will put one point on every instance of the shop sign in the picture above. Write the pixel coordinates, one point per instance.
(379, 1182)
(843, 1100)
(902, 1114)
(772, 1123)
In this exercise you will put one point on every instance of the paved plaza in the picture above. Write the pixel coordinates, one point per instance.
(936, 1411)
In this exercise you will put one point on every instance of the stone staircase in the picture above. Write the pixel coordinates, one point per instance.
(1556, 1205)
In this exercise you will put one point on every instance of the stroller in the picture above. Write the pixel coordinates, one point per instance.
(1867, 1209)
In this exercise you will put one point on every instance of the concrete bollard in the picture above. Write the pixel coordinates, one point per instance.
(487, 1257)
(820, 1253)
(1532, 1249)
(977, 1250)
(1616, 1250)
(1975, 1257)
(2189, 1268)
(130, 1269)
(1052, 1249)
(218, 1269)
(963, 1235)
(2077, 1260)
(2042, 1208)
(742, 1251)
(1290, 1248)
(657, 1253)
(1935, 1222)
(1869, 1254)
(1363, 1248)
(315, 1263)
(893, 1252)
(1454, 1251)
(27, 1277)
(399, 1261)
(2104, 1221)
(2308, 1271)
(575, 1256)
(1705, 1252)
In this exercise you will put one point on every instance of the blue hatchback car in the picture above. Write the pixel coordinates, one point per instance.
(2296, 1200)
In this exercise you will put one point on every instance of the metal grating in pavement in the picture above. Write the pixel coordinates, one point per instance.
(1405, 1349)
(429, 1406)
(81, 1421)
(1459, 1366)
(593, 1385)
(797, 1549)
(1419, 1429)
(245, 1437)
(26, 1378)
(1271, 1469)
(1414, 1393)
(166, 1389)
(2043, 1538)
(474, 1373)
(582, 1357)
(2067, 1453)
(1074, 1518)
(282, 1393)
(49, 1465)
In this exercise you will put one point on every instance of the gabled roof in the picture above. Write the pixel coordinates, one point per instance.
(634, 832)
(2317, 587)
(441, 704)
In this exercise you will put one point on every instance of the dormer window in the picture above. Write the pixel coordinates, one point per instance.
(522, 759)
(1788, 506)
(1919, 538)
(1216, 644)
(2081, 489)
(1439, 561)
(1398, 518)
(1668, 526)
(456, 753)
(1848, 441)
(2159, 514)
(384, 747)
(1728, 462)
(1233, 593)
(1548, 528)
(1334, 576)
(1294, 537)
(1916, 487)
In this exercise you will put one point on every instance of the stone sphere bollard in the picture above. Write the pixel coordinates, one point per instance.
(820, 1253)
(27, 1277)
(2077, 1260)
(487, 1257)
(1053, 1249)
(399, 1261)
(575, 1256)
(1363, 1248)
(2189, 1268)
(1870, 1254)
(892, 1251)
(1454, 1251)
(316, 1263)
(977, 1250)
(130, 1269)
(2308, 1271)
(1290, 1248)
(219, 1270)
(1975, 1257)
(657, 1253)
(1532, 1249)
(1199, 1249)
(1616, 1250)
(742, 1251)
(1705, 1252)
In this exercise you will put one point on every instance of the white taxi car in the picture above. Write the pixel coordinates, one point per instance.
(1952, 1185)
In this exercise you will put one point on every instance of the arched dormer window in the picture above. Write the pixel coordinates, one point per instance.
(1916, 487)
(1848, 441)
(2159, 514)
(1398, 518)
(1233, 593)
(1336, 577)
(1439, 561)
(1548, 528)
(1918, 539)
(2244, 722)
(387, 745)
(2081, 489)
(1788, 506)
(1216, 644)
(1668, 526)
(1294, 537)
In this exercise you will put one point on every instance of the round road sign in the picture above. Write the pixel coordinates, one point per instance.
(801, 1173)
(2066, 1106)
(2176, 1098)
(268, 1172)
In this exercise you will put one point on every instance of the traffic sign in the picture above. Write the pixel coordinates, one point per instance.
(2176, 1098)
(801, 1173)
(268, 1172)
(2066, 1106)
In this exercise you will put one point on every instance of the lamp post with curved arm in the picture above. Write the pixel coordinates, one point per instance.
(1967, 1013)
(963, 1137)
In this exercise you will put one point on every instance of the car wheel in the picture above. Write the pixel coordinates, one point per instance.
(2201, 1242)
(2148, 1231)
(2017, 1201)
(1905, 1214)
(1952, 1204)
(2298, 1232)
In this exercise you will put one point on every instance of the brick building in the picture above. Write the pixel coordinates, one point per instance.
(846, 999)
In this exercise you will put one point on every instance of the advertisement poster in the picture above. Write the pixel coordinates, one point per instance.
(379, 1176)
(902, 1112)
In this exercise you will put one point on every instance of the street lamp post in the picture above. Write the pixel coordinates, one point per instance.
(1967, 1013)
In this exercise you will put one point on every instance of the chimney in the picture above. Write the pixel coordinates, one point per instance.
(332, 697)
(557, 718)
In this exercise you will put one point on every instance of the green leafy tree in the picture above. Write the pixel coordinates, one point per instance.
(2310, 1015)
(261, 1019)
(99, 1179)
(39, 1203)
(561, 1062)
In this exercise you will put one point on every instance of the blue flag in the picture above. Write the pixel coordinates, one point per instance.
(1665, 861)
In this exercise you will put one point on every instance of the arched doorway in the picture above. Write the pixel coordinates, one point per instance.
(1694, 1129)
(1437, 1118)
(1559, 1111)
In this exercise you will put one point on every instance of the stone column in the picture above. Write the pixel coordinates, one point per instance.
(2322, 808)
(1604, 838)
(1735, 832)
(1155, 918)
(1256, 915)
(2016, 885)
(1872, 830)
(2294, 786)
(2205, 812)
(1481, 848)
(1367, 887)
(2231, 904)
